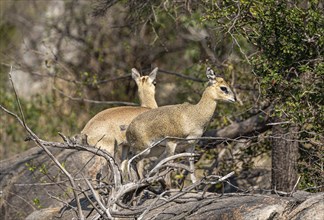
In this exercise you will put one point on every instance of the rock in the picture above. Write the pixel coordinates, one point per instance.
(43, 214)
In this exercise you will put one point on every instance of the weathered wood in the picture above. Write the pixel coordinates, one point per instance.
(228, 206)
(21, 188)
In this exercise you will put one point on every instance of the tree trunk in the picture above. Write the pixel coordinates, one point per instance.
(284, 157)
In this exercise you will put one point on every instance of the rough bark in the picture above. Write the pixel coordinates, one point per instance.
(285, 154)
(229, 206)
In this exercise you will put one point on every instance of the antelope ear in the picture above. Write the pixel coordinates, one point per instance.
(152, 75)
(135, 74)
(211, 75)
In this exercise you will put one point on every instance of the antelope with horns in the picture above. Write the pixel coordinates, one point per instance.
(182, 121)
(104, 129)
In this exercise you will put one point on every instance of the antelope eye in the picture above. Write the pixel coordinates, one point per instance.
(154, 82)
(224, 89)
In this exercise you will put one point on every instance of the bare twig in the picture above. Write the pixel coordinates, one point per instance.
(17, 99)
(143, 152)
(278, 123)
(158, 166)
(182, 75)
(93, 205)
(295, 186)
(23, 199)
(95, 195)
(95, 101)
(60, 200)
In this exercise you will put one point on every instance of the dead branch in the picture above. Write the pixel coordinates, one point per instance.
(94, 193)
(80, 99)
(159, 165)
(253, 125)
(181, 75)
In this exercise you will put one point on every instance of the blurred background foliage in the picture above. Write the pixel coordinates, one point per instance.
(70, 57)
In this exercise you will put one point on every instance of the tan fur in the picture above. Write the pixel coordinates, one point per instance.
(183, 120)
(104, 129)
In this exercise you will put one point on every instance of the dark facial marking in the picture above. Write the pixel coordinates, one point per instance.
(224, 89)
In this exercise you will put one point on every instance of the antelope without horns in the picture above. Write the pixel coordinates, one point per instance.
(104, 129)
(183, 121)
